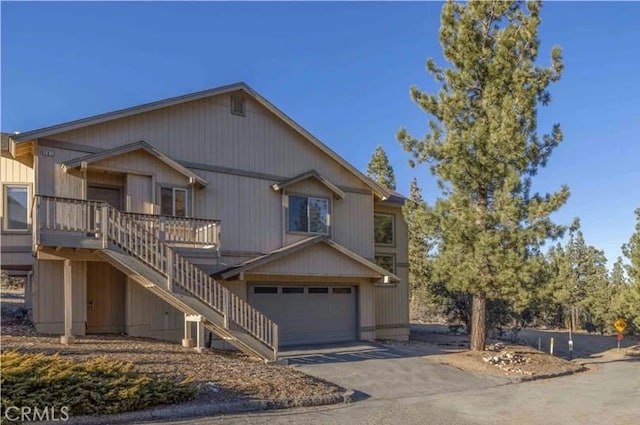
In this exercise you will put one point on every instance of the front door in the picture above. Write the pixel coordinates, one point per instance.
(106, 288)
(111, 195)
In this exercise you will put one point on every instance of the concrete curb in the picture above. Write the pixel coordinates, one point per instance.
(190, 410)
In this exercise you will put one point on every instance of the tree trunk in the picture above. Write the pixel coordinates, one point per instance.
(574, 318)
(478, 322)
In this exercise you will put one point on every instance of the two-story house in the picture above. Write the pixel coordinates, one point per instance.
(212, 210)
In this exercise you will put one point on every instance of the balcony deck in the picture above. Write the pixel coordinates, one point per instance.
(76, 223)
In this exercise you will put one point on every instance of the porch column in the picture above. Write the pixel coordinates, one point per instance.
(68, 337)
(199, 336)
(187, 340)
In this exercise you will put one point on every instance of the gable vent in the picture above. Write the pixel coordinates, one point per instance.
(238, 106)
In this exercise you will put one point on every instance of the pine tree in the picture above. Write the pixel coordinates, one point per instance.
(579, 290)
(630, 299)
(631, 250)
(380, 171)
(420, 244)
(483, 147)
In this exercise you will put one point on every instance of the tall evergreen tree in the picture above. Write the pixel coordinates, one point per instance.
(380, 171)
(630, 299)
(420, 243)
(483, 148)
(580, 289)
(631, 250)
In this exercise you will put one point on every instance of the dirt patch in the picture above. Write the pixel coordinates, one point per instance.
(500, 359)
(513, 361)
(220, 376)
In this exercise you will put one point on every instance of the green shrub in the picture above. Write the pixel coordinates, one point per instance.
(92, 387)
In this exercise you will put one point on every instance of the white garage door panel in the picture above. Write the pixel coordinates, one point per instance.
(308, 317)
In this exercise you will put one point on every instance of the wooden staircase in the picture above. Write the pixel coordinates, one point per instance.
(133, 249)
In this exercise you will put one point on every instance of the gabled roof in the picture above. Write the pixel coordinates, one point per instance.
(147, 107)
(337, 192)
(133, 147)
(299, 246)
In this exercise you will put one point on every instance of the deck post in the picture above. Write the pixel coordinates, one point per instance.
(187, 341)
(199, 336)
(226, 307)
(170, 270)
(275, 342)
(68, 337)
(104, 225)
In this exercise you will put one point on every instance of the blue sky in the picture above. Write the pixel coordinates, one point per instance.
(342, 70)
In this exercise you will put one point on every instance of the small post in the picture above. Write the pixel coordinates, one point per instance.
(539, 344)
(570, 349)
(225, 308)
(187, 341)
(68, 338)
(170, 270)
(570, 344)
(161, 230)
(275, 342)
(200, 336)
(551, 346)
(104, 228)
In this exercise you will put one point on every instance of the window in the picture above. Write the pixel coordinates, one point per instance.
(318, 290)
(387, 262)
(309, 215)
(383, 227)
(16, 207)
(341, 290)
(173, 201)
(293, 290)
(265, 290)
(238, 106)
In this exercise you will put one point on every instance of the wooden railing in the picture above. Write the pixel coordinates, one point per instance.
(66, 215)
(100, 221)
(198, 232)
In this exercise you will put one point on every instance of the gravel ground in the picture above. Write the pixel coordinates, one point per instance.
(221, 376)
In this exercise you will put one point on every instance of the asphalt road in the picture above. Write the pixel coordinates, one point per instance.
(409, 392)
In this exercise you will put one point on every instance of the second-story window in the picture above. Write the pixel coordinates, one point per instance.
(173, 201)
(16, 208)
(384, 229)
(308, 215)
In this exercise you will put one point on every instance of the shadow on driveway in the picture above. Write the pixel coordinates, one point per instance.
(339, 353)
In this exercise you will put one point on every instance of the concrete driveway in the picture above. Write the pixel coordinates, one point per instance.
(405, 390)
(385, 372)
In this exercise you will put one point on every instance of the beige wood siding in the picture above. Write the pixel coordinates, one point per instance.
(139, 194)
(149, 316)
(53, 181)
(205, 131)
(366, 311)
(392, 302)
(318, 260)
(12, 259)
(12, 171)
(48, 303)
(14, 244)
(353, 226)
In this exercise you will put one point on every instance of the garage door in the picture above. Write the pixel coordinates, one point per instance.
(308, 314)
